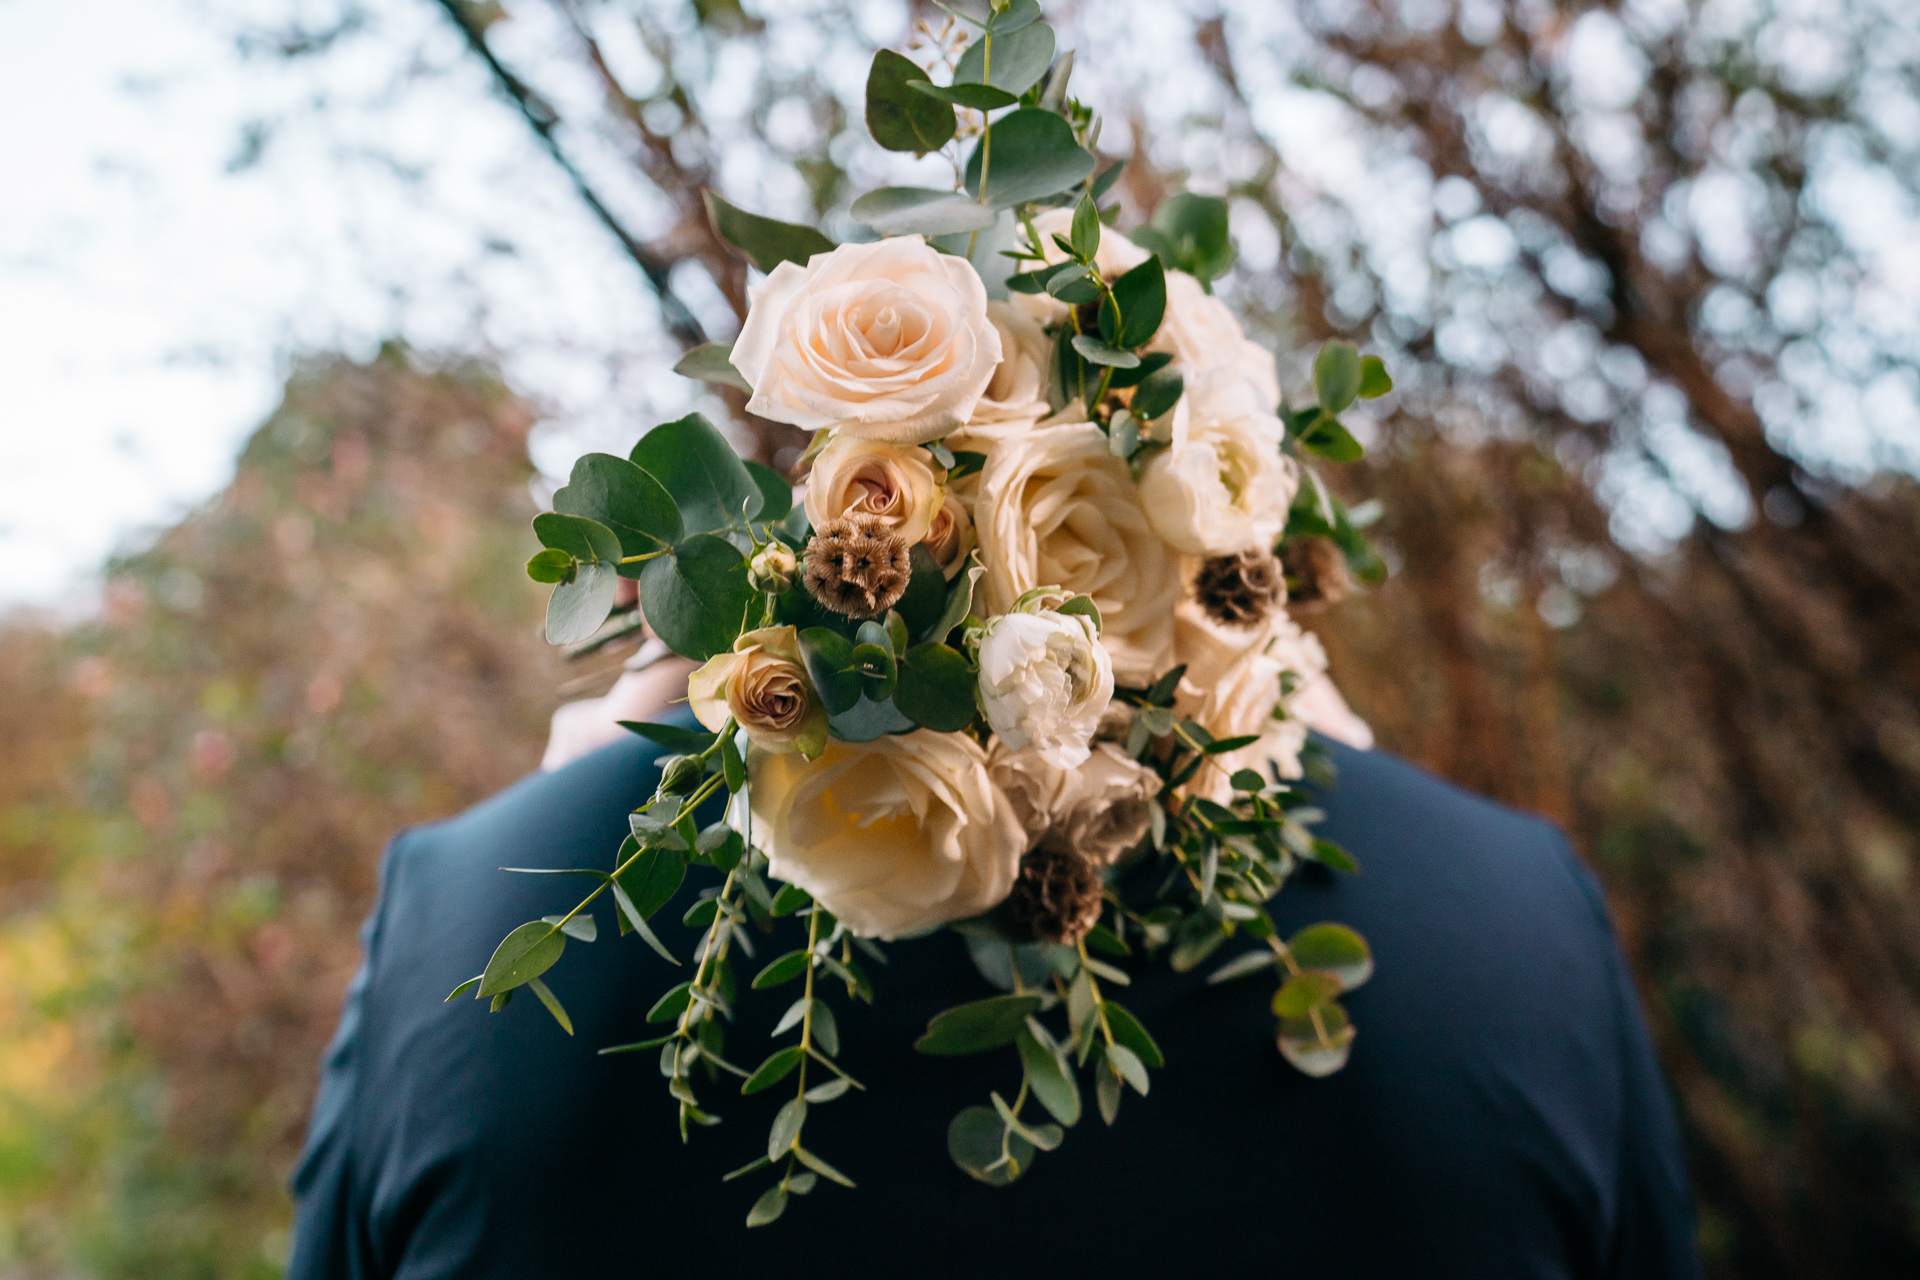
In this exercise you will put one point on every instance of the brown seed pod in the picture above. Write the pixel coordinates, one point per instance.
(1316, 571)
(1240, 590)
(1057, 895)
(857, 566)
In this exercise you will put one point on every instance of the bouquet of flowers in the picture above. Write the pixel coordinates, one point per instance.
(1019, 664)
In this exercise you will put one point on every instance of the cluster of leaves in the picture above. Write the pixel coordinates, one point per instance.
(1341, 377)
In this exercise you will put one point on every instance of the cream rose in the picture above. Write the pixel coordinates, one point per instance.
(763, 685)
(1056, 507)
(1100, 809)
(1113, 809)
(1044, 682)
(1116, 256)
(888, 340)
(1233, 687)
(897, 483)
(1018, 389)
(951, 538)
(893, 836)
(1200, 332)
(1223, 486)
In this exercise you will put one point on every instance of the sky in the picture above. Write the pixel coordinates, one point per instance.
(158, 275)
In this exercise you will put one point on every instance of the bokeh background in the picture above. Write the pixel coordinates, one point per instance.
(304, 304)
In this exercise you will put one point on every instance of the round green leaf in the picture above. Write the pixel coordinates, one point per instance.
(1312, 1053)
(898, 118)
(625, 499)
(1033, 154)
(1052, 1083)
(696, 598)
(1375, 381)
(584, 539)
(974, 1141)
(935, 687)
(1303, 992)
(1019, 58)
(1336, 375)
(1127, 1030)
(1335, 950)
(776, 495)
(767, 242)
(576, 609)
(550, 566)
(694, 463)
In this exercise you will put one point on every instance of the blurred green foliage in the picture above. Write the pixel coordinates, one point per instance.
(194, 789)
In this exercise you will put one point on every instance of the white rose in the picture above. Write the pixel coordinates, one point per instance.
(763, 685)
(1044, 682)
(1100, 809)
(1018, 389)
(896, 483)
(888, 340)
(893, 836)
(1057, 508)
(1200, 332)
(1116, 256)
(1232, 687)
(1223, 486)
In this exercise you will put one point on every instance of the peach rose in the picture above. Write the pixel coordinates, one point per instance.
(1056, 508)
(894, 836)
(763, 685)
(888, 340)
(896, 483)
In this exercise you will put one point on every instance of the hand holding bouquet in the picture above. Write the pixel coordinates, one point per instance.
(1020, 663)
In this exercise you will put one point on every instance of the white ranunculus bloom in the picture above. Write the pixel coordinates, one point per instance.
(1201, 334)
(888, 340)
(1223, 486)
(894, 836)
(1044, 681)
(897, 484)
(1116, 256)
(1055, 507)
(1232, 687)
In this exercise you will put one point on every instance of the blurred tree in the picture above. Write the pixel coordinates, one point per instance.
(341, 643)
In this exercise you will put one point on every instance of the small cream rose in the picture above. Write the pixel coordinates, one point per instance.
(1233, 687)
(763, 685)
(773, 568)
(1200, 332)
(1223, 486)
(1044, 682)
(1100, 809)
(1056, 507)
(896, 484)
(893, 836)
(1113, 810)
(888, 340)
(951, 538)
(1116, 256)
(1018, 390)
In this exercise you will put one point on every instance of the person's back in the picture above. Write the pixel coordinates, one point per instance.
(1502, 1114)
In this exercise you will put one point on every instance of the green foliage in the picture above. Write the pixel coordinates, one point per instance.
(899, 211)
(766, 242)
(1034, 154)
(711, 487)
(697, 596)
(977, 1027)
(1020, 56)
(527, 952)
(1189, 233)
(898, 118)
(712, 363)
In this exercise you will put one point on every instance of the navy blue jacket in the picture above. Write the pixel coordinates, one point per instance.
(1502, 1116)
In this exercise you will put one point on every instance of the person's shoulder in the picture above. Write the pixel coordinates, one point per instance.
(1416, 824)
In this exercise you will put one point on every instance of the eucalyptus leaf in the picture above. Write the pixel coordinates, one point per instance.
(975, 97)
(1097, 351)
(710, 362)
(697, 597)
(786, 1128)
(652, 879)
(1337, 375)
(614, 492)
(775, 1069)
(1020, 56)
(1335, 950)
(771, 1204)
(926, 594)
(867, 720)
(936, 688)
(670, 736)
(586, 540)
(1312, 1052)
(898, 118)
(976, 1027)
(581, 928)
(975, 1140)
(1375, 381)
(576, 609)
(766, 242)
(776, 495)
(550, 566)
(901, 211)
(527, 952)
(1129, 1067)
(694, 462)
(1033, 154)
(1052, 1083)
(1158, 393)
(1137, 305)
(1127, 1031)
(554, 1007)
(1241, 966)
(828, 657)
